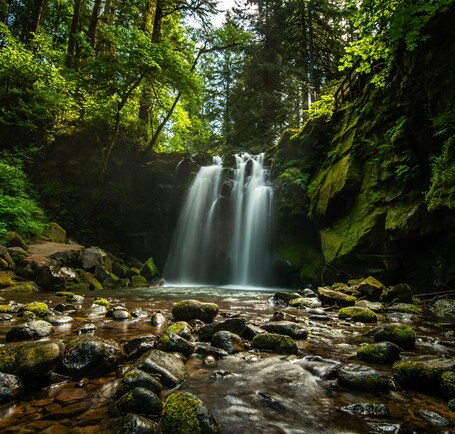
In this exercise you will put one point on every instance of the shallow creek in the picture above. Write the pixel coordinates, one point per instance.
(250, 392)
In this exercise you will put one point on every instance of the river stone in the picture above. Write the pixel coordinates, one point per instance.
(357, 313)
(158, 319)
(185, 413)
(137, 378)
(229, 342)
(32, 330)
(370, 287)
(91, 356)
(285, 297)
(422, 372)
(433, 418)
(207, 350)
(31, 359)
(233, 325)
(307, 292)
(182, 328)
(120, 315)
(375, 306)
(11, 387)
(360, 377)
(399, 293)
(366, 409)
(188, 310)
(58, 320)
(274, 342)
(405, 308)
(288, 328)
(135, 347)
(399, 334)
(382, 352)
(140, 400)
(94, 256)
(133, 423)
(251, 331)
(173, 343)
(329, 296)
(75, 298)
(168, 366)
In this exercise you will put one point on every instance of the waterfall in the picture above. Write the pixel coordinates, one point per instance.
(234, 252)
(252, 210)
(190, 256)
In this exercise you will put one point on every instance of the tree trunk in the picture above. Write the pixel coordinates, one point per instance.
(72, 41)
(156, 34)
(94, 19)
(35, 21)
(311, 65)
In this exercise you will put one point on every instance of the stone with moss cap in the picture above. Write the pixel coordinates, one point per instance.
(188, 310)
(24, 288)
(399, 334)
(274, 342)
(55, 233)
(137, 378)
(182, 328)
(138, 281)
(371, 287)
(286, 297)
(5, 308)
(329, 296)
(89, 279)
(405, 308)
(11, 387)
(359, 377)
(382, 352)
(101, 302)
(38, 308)
(141, 401)
(6, 279)
(185, 413)
(357, 313)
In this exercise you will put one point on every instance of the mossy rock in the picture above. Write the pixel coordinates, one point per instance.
(38, 308)
(13, 239)
(400, 293)
(137, 378)
(6, 262)
(371, 287)
(329, 296)
(405, 308)
(101, 302)
(133, 423)
(64, 293)
(399, 334)
(447, 384)
(274, 342)
(24, 288)
(138, 282)
(425, 373)
(181, 328)
(173, 343)
(359, 377)
(77, 286)
(286, 296)
(55, 233)
(6, 279)
(185, 413)
(149, 269)
(89, 279)
(141, 401)
(188, 310)
(382, 352)
(301, 302)
(451, 404)
(4, 308)
(359, 314)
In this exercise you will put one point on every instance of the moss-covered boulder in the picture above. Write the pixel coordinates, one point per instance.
(89, 279)
(31, 330)
(138, 282)
(101, 302)
(149, 270)
(274, 342)
(141, 401)
(137, 378)
(382, 352)
(399, 334)
(31, 359)
(357, 313)
(399, 293)
(185, 413)
(329, 296)
(7, 279)
(182, 328)
(24, 288)
(173, 343)
(425, 373)
(360, 377)
(40, 309)
(288, 328)
(285, 297)
(6, 262)
(55, 233)
(188, 310)
(229, 342)
(405, 308)
(371, 288)
(13, 239)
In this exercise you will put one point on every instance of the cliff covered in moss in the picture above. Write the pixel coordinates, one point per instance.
(371, 190)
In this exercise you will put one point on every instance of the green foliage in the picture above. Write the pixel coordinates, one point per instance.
(322, 108)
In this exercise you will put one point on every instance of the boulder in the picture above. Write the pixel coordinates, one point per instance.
(137, 346)
(185, 413)
(17, 254)
(358, 314)
(188, 310)
(405, 308)
(58, 320)
(7, 279)
(276, 343)
(137, 378)
(53, 277)
(288, 328)
(140, 400)
(233, 325)
(139, 282)
(6, 262)
(31, 330)
(133, 423)
(360, 377)
(375, 306)
(229, 342)
(94, 256)
(251, 331)
(285, 297)
(149, 270)
(14, 240)
(182, 328)
(329, 296)
(158, 319)
(366, 409)
(173, 343)
(90, 356)
(167, 366)
(399, 334)
(31, 359)
(400, 293)
(38, 308)
(88, 278)
(55, 233)
(11, 387)
(121, 315)
(382, 352)
(371, 288)
(447, 384)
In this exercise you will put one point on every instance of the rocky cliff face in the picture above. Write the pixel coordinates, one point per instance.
(373, 188)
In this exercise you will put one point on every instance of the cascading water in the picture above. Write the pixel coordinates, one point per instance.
(243, 251)
(190, 257)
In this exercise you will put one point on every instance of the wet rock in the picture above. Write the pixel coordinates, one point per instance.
(358, 314)
(55, 277)
(88, 278)
(405, 308)
(399, 334)
(70, 395)
(95, 311)
(291, 329)
(422, 372)
(274, 342)
(172, 342)
(138, 282)
(186, 413)
(229, 342)
(120, 315)
(158, 319)
(210, 351)
(90, 356)
(321, 367)
(375, 306)
(329, 296)
(444, 307)
(285, 297)
(32, 330)
(30, 359)
(233, 325)
(366, 409)
(76, 299)
(182, 328)
(388, 428)
(38, 308)
(188, 310)
(88, 328)
(251, 331)
(168, 366)
(279, 315)
(307, 292)
(139, 313)
(400, 293)
(58, 320)
(11, 387)
(135, 347)
(133, 423)
(304, 302)
(382, 352)
(140, 400)
(94, 256)
(5, 317)
(275, 402)
(149, 270)
(17, 253)
(64, 307)
(137, 378)
(359, 377)
(370, 287)
(433, 418)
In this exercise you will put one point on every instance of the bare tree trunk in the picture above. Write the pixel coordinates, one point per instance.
(311, 66)
(94, 20)
(72, 40)
(37, 14)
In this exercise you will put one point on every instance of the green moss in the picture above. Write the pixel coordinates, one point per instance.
(7, 361)
(4, 308)
(300, 303)
(275, 342)
(6, 279)
(101, 302)
(405, 308)
(38, 308)
(370, 383)
(399, 293)
(138, 281)
(64, 293)
(89, 279)
(180, 414)
(25, 288)
(77, 287)
(178, 327)
(379, 353)
(451, 404)
(447, 384)
(402, 335)
(361, 314)
(149, 269)
(286, 296)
